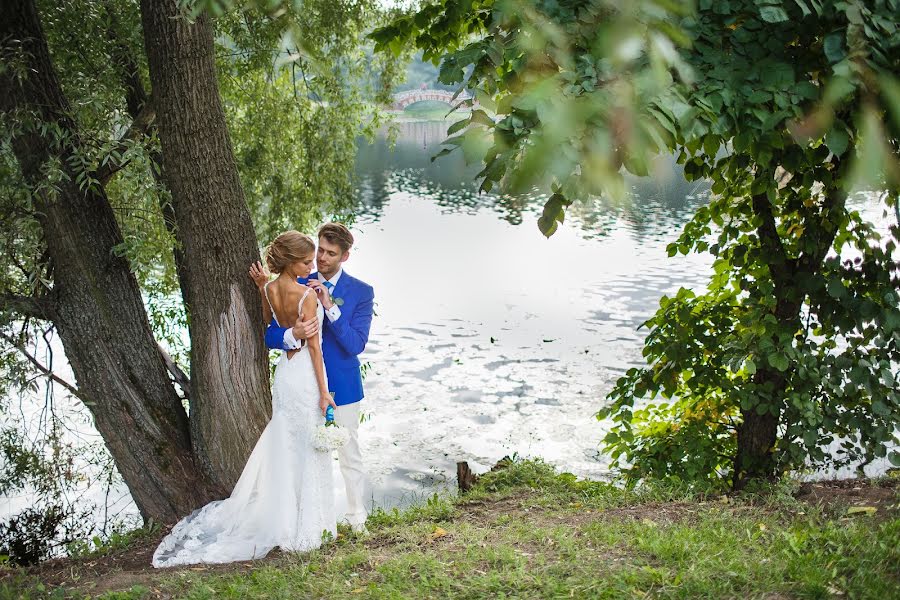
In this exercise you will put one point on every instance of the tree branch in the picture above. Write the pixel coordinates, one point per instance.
(183, 381)
(29, 306)
(137, 101)
(778, 262)
(140, 127)
(47, 372)
(822, 229)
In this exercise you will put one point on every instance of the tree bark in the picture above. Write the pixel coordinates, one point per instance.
(757, 434)
(99, 311)
(465, 478)
(230, 398)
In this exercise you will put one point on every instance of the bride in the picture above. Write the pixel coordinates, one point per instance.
(285, 496)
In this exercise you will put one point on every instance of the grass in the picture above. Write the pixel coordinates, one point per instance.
(117, 540)
(527, 532)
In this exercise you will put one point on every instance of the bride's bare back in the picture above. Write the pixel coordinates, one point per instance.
(284, 295)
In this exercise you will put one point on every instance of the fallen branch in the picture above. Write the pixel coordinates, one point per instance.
(47, 372)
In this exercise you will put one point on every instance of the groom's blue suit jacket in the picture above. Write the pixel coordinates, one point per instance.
(342, 341)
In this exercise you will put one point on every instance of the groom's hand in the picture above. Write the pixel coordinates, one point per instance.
(303, 330)
(258, 274)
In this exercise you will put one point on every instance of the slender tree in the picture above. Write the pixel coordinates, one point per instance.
(229, 375)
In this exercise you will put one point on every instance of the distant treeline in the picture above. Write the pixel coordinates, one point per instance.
(419, 72)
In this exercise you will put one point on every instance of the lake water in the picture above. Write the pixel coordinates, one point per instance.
(491, 340)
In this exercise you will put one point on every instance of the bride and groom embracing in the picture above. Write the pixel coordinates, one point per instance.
(285, 494)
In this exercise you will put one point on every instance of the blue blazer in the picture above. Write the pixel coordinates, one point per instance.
(342, 341)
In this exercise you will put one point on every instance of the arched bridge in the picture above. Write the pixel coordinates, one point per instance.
(404, 99)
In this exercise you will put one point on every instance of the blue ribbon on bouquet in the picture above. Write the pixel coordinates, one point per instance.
(329, 415)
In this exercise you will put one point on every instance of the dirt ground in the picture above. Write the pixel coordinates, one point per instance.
(131, 566)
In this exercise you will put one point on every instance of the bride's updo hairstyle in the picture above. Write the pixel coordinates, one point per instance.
(288, 248)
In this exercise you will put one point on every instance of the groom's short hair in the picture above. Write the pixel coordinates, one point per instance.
(336, 233)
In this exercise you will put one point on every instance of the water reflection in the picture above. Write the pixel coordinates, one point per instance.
(655, 206)
(490, 339)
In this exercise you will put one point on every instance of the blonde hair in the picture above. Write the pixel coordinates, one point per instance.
(337, 233)
(288, 248)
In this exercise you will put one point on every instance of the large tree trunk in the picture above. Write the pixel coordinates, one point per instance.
(98, 308)
(230, 401)
(757, 434)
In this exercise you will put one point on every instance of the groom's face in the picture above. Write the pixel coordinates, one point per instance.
(329, 257)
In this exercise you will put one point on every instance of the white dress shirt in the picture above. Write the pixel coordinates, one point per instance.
(333, 314)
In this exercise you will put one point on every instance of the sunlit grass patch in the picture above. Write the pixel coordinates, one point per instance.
(526, 531)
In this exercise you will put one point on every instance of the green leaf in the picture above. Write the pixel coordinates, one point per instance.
(779, 74)
(741, 141)
(772, 14)
(880, 408)
(710, 146)
(636, 164)
(835, 288)
(760, 185)
(834, 47)
(750, 366)
(803, 7)
(888, 377)
(779, 361)
(457, 126)
(479, 116)
(894, 457)
(547, 226)
(810, 437)
(837, 139)
(443, 152)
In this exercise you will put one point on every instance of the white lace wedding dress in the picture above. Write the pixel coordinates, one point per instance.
(285, 495)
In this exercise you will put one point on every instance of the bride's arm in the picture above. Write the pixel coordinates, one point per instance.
(315, 353)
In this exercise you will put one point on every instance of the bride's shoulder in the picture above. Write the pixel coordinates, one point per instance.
(288, 291)
(296, 291)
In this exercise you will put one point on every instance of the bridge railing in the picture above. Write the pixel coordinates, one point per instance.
(407, 97)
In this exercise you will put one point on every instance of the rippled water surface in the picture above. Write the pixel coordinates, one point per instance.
(489, 339)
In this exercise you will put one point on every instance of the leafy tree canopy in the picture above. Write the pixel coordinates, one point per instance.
(787, 107)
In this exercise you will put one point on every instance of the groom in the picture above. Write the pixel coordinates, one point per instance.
(348, 310)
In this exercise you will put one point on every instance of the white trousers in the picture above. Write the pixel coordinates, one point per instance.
(355, 480)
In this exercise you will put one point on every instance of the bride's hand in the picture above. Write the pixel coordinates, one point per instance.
(258, 274)
(322, 292)
(326, 400)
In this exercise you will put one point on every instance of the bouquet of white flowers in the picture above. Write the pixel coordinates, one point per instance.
(329, 436)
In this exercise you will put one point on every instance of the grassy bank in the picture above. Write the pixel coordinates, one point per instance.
(528, 532)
